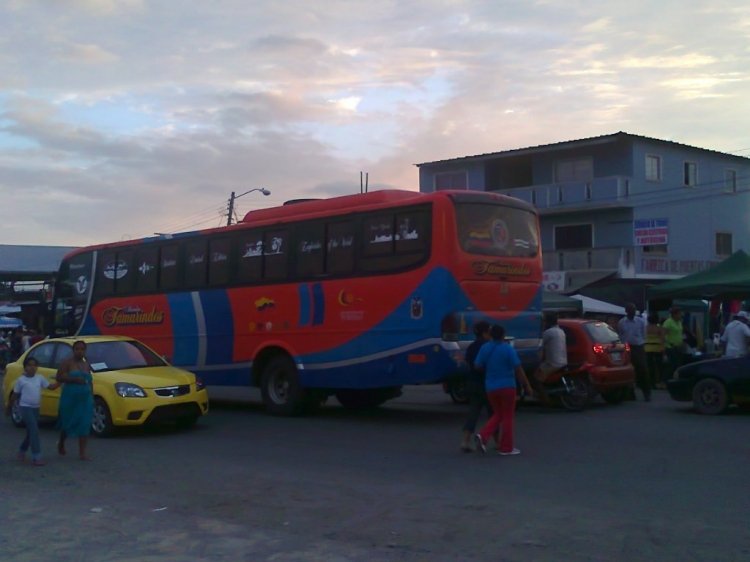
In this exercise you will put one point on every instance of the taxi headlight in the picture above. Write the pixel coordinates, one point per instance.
(129, 390)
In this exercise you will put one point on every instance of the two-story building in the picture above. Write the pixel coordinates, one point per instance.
(617, 206)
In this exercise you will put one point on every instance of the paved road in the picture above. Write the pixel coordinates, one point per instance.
(633, 482)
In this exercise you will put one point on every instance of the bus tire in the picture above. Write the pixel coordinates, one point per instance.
(280, 387)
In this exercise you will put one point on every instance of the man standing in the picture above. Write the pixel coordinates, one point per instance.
(632, 331)
(736, 335)
(673, 334)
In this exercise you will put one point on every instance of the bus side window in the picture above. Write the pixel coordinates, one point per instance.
(249, 256)
(218, 261)
(105, 273)
(124, 278)
(340, 248)
(275, 254)
(308, 254)
(169, 268)
(196, 263)
(146, 269)
(412, 232)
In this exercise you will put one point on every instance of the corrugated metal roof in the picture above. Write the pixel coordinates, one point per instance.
(575, 143)
(25, 260)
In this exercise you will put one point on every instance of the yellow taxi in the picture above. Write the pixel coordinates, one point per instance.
(132, 384)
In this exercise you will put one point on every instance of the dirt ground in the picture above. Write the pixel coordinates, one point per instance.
(634, 482)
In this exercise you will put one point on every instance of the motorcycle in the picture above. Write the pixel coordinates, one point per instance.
(569, 386)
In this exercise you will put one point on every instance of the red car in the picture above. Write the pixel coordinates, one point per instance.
(595, 343)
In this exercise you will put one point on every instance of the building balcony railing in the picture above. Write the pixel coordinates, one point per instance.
(612, 191)
(616, 259)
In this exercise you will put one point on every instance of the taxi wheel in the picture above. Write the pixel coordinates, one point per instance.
(101, 422)
(15, 411)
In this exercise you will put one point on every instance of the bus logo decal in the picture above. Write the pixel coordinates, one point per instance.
(416, 310)
(131, 316)
(500, 233)
(82, 283)
(499, 268)
(264, 303)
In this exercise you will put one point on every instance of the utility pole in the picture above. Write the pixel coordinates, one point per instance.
(231, 209)
(233, 198)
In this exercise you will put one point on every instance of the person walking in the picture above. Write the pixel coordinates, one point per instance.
(633, 332)
(76, 400)
(736, 335)
(28, 388)
(654, 347)
(673, 339)
(503, 371)
(475, 390)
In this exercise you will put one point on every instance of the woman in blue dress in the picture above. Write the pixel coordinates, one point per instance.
(76, 400)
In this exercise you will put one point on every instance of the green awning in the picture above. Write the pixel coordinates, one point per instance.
(556, 302)
(729, 279)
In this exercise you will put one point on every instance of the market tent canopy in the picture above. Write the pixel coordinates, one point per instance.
(729, 279)
(598, 307)
(556, 302)
(8, 322)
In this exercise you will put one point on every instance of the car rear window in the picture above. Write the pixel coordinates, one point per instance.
(601, 333)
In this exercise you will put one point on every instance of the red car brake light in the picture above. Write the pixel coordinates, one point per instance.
(627, 347)
(598, 348)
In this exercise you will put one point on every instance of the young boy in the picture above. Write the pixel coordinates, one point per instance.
(28, 388)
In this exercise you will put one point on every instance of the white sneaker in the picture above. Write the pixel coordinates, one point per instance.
(513, 452)
(481, 447)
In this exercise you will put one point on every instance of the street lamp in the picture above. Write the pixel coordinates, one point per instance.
(233, 197)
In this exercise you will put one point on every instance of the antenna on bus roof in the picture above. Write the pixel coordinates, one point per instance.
(363, 186)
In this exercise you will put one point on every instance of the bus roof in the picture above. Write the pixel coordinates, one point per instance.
(365, 201)
(314, 208)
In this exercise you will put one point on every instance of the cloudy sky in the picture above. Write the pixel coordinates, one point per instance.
(120, 118)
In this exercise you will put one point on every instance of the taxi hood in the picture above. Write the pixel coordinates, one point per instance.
(147, 377)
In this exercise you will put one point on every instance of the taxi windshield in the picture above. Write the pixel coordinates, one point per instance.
(116, 355)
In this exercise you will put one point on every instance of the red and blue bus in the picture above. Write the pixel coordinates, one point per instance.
(352, 296)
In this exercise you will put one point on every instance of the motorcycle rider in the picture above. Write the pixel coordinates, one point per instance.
(554, 353)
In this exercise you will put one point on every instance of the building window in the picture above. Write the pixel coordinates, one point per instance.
(730, 181)
(655, 249)
(627, 188)
(574, 170)
(653, 168)
(451, 180)
(588, 191)
(690, 174)
(574, 237)
(559, 194)
(723, 243)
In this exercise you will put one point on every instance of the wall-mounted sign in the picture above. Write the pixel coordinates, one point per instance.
(650, 232)
(553, 281)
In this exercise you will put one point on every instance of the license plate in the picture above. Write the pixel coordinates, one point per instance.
(615, 356)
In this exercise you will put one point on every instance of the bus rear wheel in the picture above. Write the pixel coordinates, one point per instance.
(280, 387)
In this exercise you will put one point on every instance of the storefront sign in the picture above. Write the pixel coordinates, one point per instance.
(663, 265)
(650, 232)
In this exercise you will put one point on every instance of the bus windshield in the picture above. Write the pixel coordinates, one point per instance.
(497, 230)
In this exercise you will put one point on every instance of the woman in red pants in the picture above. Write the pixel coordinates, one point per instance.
(502, 369)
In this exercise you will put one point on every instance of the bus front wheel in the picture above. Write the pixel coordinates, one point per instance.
(280, 387)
